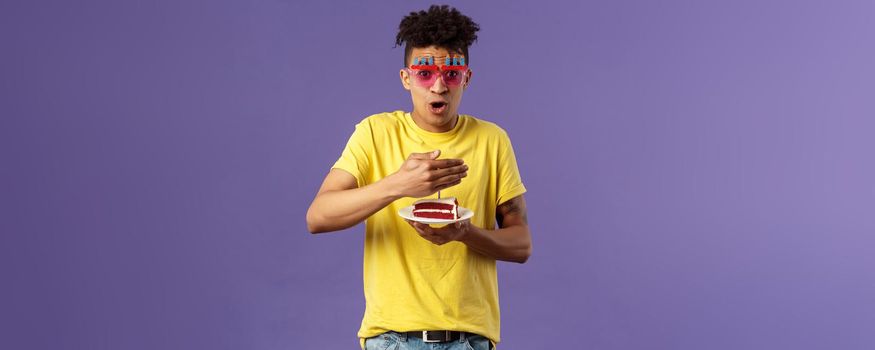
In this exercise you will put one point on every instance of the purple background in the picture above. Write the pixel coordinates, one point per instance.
(701, 174)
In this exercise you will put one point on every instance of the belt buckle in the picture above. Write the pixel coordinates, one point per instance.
(425, 338)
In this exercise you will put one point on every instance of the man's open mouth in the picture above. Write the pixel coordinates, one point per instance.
(437, 107)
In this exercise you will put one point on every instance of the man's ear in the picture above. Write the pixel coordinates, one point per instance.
(468, 78)
(405, 79)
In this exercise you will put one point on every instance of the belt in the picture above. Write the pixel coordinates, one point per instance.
(435, 336)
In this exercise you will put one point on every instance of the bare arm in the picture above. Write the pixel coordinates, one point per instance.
(341, 204)
(512, 241)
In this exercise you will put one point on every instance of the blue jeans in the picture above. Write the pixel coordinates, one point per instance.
(398, 341)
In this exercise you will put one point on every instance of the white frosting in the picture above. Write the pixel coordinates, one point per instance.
(446, 200)
(433, 211)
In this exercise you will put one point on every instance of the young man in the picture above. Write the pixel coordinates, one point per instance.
(426, 284)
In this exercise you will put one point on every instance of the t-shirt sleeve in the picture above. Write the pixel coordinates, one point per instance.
(355, 157)
(510, 183)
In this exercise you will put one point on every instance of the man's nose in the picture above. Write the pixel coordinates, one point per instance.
(439, 87)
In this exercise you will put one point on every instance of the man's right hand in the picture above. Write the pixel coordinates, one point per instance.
(422, 174)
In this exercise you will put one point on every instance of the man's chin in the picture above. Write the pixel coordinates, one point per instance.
(436, 119)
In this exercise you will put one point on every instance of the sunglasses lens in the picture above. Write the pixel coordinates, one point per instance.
(425, 77)
(453, 77)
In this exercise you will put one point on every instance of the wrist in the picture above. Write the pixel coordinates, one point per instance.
(468, 233)
(389, 189)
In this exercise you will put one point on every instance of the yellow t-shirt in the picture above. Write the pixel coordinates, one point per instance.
(410, 283)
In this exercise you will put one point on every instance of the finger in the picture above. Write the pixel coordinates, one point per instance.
(417, 226)
(425, 156)
(459, 169)
(426, 229)
(444, 163)
(418, 230)
(449, 179)
(436, 239)
(447, 185)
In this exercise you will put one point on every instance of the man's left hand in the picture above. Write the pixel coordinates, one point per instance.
(442, 235)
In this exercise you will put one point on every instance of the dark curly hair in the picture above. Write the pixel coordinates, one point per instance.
(442, 26)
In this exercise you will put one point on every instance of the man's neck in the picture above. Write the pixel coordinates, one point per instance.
(431, 128)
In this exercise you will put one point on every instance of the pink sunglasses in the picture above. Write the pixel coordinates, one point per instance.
(425, 72)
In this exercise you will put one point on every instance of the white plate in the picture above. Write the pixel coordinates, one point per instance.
(407, 213)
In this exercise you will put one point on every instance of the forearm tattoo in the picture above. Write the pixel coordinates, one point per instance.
(512, 207)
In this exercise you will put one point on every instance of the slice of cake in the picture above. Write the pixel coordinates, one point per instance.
(433, 208)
